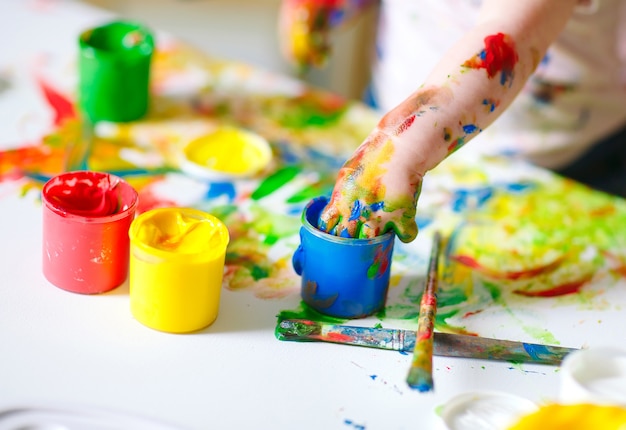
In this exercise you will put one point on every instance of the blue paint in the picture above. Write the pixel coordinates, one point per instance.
(470, 128)
(378, 206)
(518, 187)
(353, 424)
(536, 351)
(218, 189)
(336, 271)
(492, 106)
(464, 199)
(356, 211)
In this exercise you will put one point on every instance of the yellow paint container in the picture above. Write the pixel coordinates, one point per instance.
(176, 268)
(226, 153)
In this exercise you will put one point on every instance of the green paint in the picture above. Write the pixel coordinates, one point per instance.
(494, 291)
(372, 271)
(273, 226)
(258, 272)
(308, 113)
(274, 181)
(542, 335)
(399, 311)
(305, 312)
(447, 296)
(309, 192)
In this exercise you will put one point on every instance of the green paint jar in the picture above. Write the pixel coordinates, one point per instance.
(114, 71)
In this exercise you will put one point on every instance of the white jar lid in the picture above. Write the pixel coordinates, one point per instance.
(485, 410)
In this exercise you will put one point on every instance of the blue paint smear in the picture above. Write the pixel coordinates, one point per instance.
(536, 351)
(356, 211)
(344, 233)
(517, 187)
(470, 128)
(218, 189)
(377, 206)
(353, 424)
(492, 106)
(373, 377)
(465, 199)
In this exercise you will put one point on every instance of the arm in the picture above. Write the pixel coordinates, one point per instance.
(475, 81)
(304, 27)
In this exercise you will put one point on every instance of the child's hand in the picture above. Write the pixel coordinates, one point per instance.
(304, 27)
(376, 191)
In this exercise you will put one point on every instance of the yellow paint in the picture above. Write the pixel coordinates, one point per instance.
(574, 417)
(176, 268)
(229, 151)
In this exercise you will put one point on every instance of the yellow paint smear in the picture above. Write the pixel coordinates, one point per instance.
(574, 417)
(230, 151)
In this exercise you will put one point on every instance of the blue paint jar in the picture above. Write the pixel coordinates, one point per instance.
(341, 277)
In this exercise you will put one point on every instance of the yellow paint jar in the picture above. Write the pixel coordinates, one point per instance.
(226, 153)
(176, 268)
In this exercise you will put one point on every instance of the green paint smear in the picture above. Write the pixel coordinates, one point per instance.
(307, 113)
(542, 335)
(311, 191)
(258, 272)
(373, 270)
(275, 181)
(494, 291)
(274, 226)
(305, 312)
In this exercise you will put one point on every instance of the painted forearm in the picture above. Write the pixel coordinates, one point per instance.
(463, 96)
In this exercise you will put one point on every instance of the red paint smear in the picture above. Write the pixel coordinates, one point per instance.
(429, 300)
(469, 314)
(405, 125)
(335, 337)
(499, 55)
(62, 106)
(621, 264)
(560, 290)
(522, 274)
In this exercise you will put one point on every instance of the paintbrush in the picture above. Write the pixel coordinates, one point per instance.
(444, 345)
(420, 375)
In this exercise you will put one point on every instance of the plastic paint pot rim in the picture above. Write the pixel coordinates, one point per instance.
(580, 369)
(514, 407)
(190, 166)
(338, 239)
(142, 49)
(220, 227)
(122, 213)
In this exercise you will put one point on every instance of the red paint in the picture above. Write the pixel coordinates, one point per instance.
(62, 106)
(84, 194)
(405, 125)
(86, 218)
(499, 56)
(468, 261)
(336, 337)
(559, 290)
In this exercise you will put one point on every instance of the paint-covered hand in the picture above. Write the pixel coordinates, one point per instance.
(304, 27)
(376, 191)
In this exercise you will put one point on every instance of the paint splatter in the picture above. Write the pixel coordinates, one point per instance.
(498, 56)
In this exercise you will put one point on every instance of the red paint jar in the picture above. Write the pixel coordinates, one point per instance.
(86, 217)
